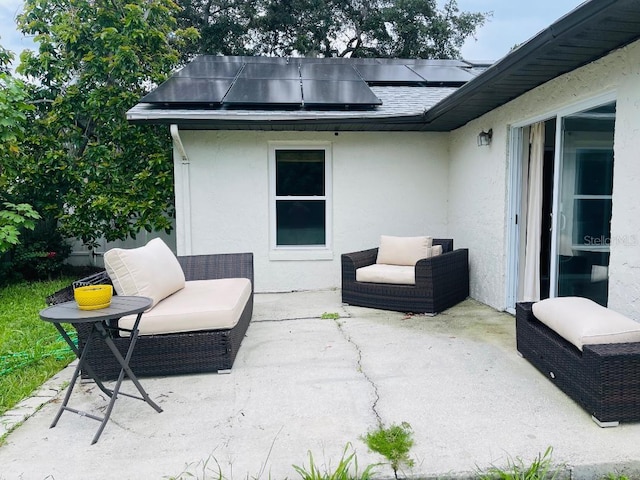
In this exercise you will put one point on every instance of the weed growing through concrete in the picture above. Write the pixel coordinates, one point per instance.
(330, 316)
(347, 469)
(393, 443)
(540, 469)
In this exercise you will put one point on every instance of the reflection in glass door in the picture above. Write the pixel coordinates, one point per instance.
(583, 205)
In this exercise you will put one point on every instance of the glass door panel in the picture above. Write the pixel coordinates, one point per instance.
(583, 221)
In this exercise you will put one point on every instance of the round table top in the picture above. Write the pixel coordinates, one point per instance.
(68, 312)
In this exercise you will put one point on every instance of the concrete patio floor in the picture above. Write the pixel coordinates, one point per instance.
(305, 384)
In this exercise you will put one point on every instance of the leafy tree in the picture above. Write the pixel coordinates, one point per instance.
(223, 26)
(83, 164)
(330, 28)
(14, 217)
(417, 29)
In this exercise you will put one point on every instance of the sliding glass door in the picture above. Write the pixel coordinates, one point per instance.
(582, 213)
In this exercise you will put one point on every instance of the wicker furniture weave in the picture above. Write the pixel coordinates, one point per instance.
(604, 379)
(175, 353)
(441, 282)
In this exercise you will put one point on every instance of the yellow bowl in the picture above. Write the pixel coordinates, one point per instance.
(93, 297)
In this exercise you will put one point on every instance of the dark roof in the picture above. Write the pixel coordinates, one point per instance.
(436, 95)
(217, 92)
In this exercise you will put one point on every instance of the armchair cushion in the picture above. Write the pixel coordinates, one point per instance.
(403, 250)
(151, 271)
(380, 273)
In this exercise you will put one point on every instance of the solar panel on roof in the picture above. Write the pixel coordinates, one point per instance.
(389, 75)
(270, 71)
(440, 75)
(189, 90)
(431, 62)
(338, 93)
(262, 92)
(324, 71)
(237, 59)
(210, 70)
(336, 60)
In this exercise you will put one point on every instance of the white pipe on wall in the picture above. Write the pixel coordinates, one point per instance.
(183, 208)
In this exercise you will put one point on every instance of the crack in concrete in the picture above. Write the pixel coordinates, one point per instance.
(376, 393)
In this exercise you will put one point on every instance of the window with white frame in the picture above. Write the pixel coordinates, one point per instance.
(300, 200)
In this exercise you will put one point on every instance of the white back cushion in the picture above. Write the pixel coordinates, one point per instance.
(151, 271)
(403, 250)
(582, 321)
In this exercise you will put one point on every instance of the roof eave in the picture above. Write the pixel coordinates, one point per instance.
(521, 57)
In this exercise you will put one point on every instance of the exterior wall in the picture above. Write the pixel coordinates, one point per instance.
(624, 264)
(477, 200)
(383, 183)
(479, 177)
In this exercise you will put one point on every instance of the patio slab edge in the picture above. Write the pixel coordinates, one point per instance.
(28, 407)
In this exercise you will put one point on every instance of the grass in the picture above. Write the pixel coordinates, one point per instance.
(540, 469)
(31, 350)
(347, 469)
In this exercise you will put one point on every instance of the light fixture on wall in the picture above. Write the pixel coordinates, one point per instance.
(484, 138)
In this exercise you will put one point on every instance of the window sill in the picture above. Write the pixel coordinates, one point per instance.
(300, 254)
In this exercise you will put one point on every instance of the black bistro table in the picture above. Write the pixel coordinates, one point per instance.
(121, 306)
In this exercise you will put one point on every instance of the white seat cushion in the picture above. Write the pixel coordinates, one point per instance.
(200, 305)
(582, 321)
(403, 250)
(379, 273)
(151, 271)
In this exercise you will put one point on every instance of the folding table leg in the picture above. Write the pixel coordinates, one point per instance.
(76, 373)
(124, 363)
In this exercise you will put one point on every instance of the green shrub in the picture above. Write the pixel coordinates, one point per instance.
(41, 254)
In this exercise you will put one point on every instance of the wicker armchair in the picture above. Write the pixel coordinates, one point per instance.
(441, 282)
(174, 353)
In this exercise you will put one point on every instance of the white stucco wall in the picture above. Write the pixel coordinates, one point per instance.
(477, 199)
(440, 184)
(383, 183)
(479, 177)
(624, 266)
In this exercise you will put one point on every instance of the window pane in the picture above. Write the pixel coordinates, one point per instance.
(300, 172)
(591, 221)
(594, 172)
(300, 222)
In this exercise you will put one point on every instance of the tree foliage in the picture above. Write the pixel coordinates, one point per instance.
(223, 26)
(14, 218)
(330, 28)
(83, 167)
(82, 163)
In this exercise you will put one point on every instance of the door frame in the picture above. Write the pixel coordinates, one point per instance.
(515, 162)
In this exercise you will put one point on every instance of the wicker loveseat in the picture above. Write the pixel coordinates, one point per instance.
(603, 378)
(440, 282)
(174, 353)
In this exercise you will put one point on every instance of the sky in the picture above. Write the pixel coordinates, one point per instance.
(513, 22)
